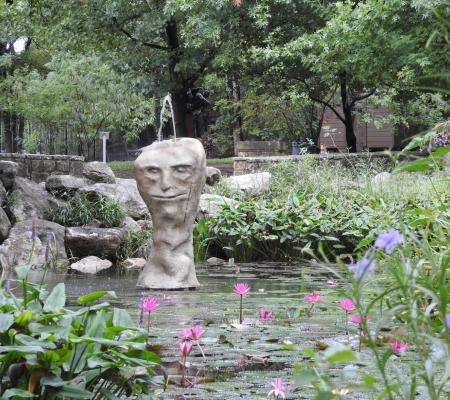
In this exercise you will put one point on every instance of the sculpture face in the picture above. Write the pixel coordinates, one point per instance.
(170, 176)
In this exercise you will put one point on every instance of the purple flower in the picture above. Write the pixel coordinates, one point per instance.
(389, 240)
(362, 268)
(8, 287)
(447, 321)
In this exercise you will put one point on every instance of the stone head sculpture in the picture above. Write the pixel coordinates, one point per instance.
(170, 176)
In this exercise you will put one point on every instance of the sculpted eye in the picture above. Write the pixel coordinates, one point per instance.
(182, 168)
(152, 170)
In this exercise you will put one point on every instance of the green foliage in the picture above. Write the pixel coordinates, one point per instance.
(135, 244)
(49, 352)
(201, 240)
(406, 299)
(313, 205)
(86, 208)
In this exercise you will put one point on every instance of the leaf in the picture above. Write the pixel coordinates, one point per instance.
(24, 394)
(73, 392)
(22, 271)
(56, 299)
(339, 353)
(22, 349)
(6, 320)
(424, 164)
(91, 297)
(304, 376)
(122, 318)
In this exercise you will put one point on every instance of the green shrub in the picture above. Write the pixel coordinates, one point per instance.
(85, 208)
(134, 244)
(95, 351)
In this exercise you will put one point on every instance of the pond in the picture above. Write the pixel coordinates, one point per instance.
(241, 361)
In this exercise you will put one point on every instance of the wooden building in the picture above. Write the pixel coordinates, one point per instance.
(368, 136)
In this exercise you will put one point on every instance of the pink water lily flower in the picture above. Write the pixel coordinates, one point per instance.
(399, 347)
(279, 389)
(347, 305)
(241, 289)
(185, 348)
(314, 298)
(185, 334)
(356, 319)
(197, 332)
(150, 304)
(265, 315)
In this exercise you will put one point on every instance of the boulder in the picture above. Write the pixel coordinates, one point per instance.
(86, 241)
(213, 175)
(98, 172)
(211, 204)
(130, 225)
(5, 225)
(8, 173)
(20, 247)
(145, 224)
(91, 265)
(30, 200)
(134, 264)
(2, 194)
(65, 184)
(250, 184)
(215, 261)
(124, 192)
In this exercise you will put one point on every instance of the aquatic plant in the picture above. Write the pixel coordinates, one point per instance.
(265, 315)
(313, 298)
(347, 305)
(279, 389)
(241, 290)
(399, 348)
(149, 305)
(48, 351)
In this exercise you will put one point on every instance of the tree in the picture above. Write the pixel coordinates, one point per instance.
(364, 49)
(170, 44)
(85, 93)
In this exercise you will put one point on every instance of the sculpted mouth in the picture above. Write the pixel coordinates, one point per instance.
(170, 197)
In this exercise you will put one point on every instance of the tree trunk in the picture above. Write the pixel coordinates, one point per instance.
(184, 123)
(10, 123)
(234, 94)
(347, 109)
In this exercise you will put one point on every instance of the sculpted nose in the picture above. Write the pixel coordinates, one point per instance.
(165, 182)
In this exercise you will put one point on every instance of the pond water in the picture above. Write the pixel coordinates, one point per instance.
(240, 362)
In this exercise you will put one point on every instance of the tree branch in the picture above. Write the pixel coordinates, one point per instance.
(362, 97)
(130, 36)
(324, 102)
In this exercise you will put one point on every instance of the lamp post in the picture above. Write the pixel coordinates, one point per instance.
(104, 136)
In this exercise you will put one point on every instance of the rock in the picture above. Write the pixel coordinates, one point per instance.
(65, 184)
(124, 192)
(8, 172)
(381, 178)
(30, 200)
(85, 241)
(213, 175)
(91, 265)
(207, 189)
(98, 172)
(134, 264)
(251, 184)
(211, 204)
(5, 225)
(215, 261)
(16, 249)
(2, 194)
(145, 224)
(130, 225)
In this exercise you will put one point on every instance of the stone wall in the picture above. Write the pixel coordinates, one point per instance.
(256, 148)
(250, 165)
(38, 167)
